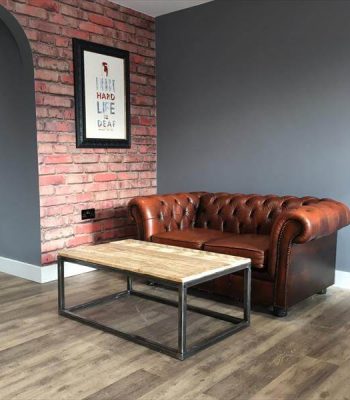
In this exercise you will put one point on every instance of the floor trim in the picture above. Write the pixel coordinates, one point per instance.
(45, 274)
(342, 279)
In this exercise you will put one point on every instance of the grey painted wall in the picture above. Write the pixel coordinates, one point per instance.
(19, 190)
(254, 97)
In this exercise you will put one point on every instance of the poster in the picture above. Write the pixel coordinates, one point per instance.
(102, 95)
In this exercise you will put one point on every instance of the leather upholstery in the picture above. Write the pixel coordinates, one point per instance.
(285, 222)
(245, 245)
(239, 213)
(155, 214)
(193, 238)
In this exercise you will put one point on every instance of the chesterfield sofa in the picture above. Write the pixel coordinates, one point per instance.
(291, 241)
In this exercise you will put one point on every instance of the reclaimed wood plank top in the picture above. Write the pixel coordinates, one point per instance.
(175, 264)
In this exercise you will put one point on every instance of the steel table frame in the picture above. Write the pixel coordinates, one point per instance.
(182, 351)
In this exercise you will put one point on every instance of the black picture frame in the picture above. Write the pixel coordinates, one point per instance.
(82, 141)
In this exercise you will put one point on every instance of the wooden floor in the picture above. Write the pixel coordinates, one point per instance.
(47, 357)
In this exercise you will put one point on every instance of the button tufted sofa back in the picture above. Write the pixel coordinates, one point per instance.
(177, 211)
(163, 213)
(245, 213)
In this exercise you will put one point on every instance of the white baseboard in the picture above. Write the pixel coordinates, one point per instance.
(342, 279)
(38, 274)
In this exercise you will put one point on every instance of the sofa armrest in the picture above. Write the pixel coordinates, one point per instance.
(161, 213)
(315, 220)
(302, 225)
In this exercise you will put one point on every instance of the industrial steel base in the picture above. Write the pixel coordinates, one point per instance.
(182, 351)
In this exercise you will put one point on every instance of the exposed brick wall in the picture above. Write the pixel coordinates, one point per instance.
(72, 179)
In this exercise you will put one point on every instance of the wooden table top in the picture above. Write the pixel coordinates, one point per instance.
(175, 264)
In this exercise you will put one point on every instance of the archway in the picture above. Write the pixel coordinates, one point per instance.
(19, 189)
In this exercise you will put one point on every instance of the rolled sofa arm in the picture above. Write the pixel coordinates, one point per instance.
(315, 220)
(300, 225)
(161, 213)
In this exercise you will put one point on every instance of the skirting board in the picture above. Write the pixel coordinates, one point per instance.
(342, 279)
(38, 274)
(49, 273)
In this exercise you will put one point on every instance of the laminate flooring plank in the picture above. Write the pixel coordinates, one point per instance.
(128, 388)
(298, 382)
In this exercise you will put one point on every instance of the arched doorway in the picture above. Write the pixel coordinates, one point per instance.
(19, 189)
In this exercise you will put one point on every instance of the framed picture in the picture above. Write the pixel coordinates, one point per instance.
(102, 95)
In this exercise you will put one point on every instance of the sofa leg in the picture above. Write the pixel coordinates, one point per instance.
(280, 312)
(323, 291)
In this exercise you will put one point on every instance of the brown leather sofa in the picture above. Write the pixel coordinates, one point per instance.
(290, 240)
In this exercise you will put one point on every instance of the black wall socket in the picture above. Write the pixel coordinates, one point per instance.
(88, 214)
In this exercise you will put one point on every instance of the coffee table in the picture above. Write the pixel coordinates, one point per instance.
(176, 267)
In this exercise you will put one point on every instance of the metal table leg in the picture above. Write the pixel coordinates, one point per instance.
(60, 277)
(182, 319)
(247, 287)
(129, 284)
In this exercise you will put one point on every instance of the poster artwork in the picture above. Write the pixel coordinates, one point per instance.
(105, 98)
(105, 94)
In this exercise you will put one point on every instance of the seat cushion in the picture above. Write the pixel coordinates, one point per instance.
(193, 238)
(245, 245)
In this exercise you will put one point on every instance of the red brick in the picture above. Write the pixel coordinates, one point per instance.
(62, 41)
(45, 148)
(97, 186)
(58, 159)
(68, 168)
(30, 11)
(90, 27)
(51, 180)
(48, 201)
(46, 137)
(49, 5)
(52, 245)
(64, 21)
(66, 138)
(103, 236)
(44, 26)
(127, 175)
(58, 126)
(48, 258)
(58, 233)
(86, 158)
(60, 210)
(121, 26)
(60, 148)
(89, 227)
(142, 100)
(51, 63)
(108, 195)
(47, 190)
(77, 178)
(78, 34)
(138, 79)
(96, 8)
(46, 75)
(69, 79)
(32, 34)
(81, 197)
(70, 11)
(101, 20)
(79, 240)
(47, 169)
(105, 177)
(47, 100)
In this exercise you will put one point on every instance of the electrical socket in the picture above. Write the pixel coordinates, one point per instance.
(88, 213)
